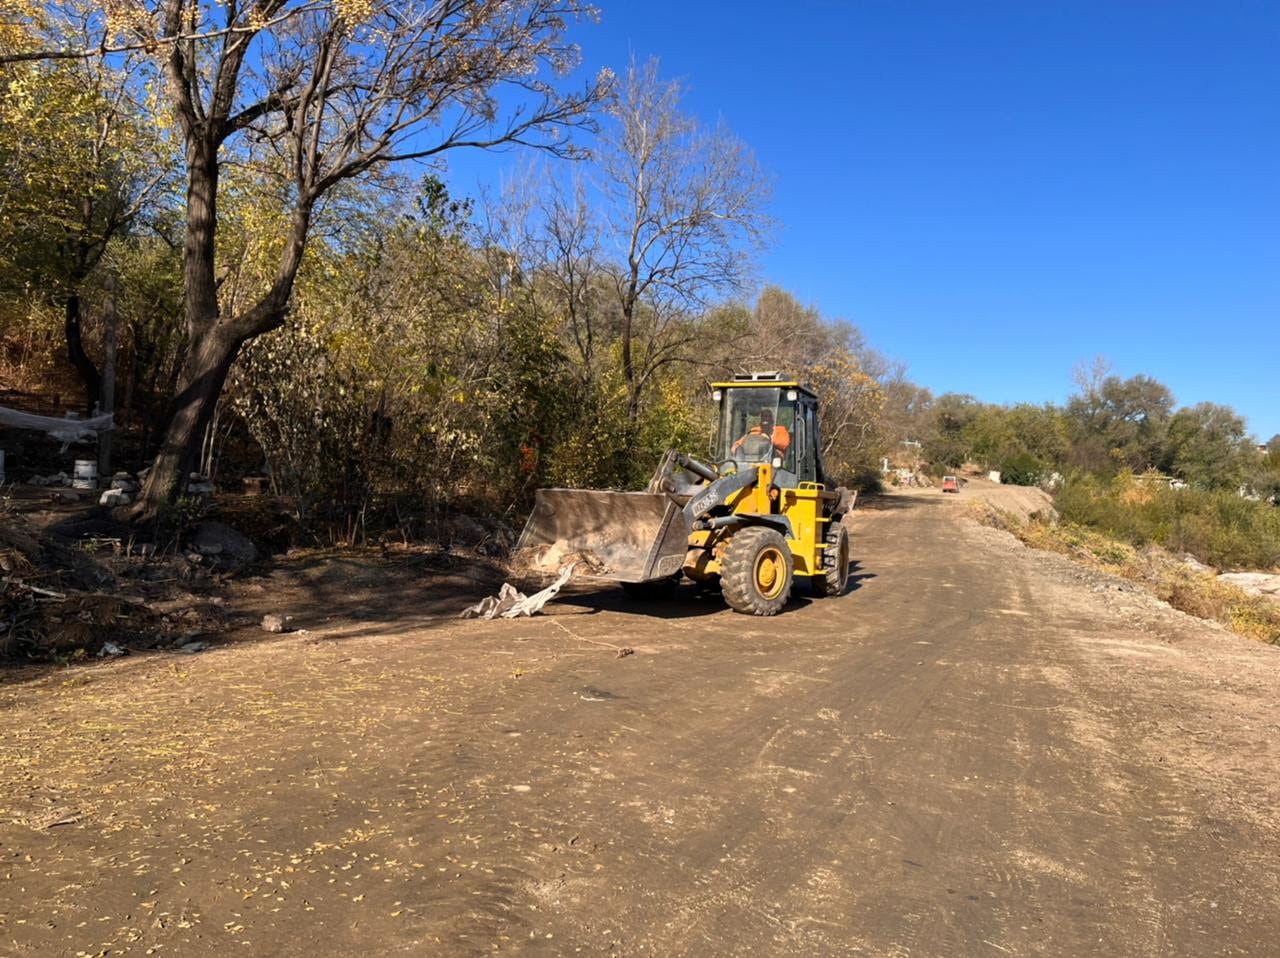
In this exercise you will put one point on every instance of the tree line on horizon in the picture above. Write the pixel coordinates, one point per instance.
(1109, 425)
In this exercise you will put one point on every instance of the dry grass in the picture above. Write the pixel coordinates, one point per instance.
(1184, 586)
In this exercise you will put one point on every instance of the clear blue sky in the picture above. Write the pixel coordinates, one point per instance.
(995, 191)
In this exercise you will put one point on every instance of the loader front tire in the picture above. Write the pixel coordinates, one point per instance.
(835, 562)
(756, 571)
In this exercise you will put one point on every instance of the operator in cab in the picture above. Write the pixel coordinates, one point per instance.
(765, 427)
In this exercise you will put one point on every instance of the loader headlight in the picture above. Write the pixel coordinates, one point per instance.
(792, 395)
(717, 395)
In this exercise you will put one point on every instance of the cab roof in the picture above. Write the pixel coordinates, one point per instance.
(773, 380)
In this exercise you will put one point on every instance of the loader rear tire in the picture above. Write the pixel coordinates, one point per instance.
(756, 571)
(835, 562)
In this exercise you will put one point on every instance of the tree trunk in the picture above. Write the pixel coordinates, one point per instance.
(213, 340)
(628, 361)
(204, 372)
(89, 374)
(107, 404)
(210, 348)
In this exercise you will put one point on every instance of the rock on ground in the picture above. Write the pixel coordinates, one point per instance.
(1255, 583)
(216, 538)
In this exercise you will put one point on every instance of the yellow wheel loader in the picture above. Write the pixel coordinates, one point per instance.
(753, 519)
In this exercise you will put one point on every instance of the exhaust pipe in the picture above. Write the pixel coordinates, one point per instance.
(698, 468)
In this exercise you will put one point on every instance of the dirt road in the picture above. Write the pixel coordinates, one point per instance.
(977, 751)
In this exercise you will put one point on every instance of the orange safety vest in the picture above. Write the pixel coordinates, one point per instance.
(781, 438)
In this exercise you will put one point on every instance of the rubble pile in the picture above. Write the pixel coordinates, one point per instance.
(81, 587)
(123, 487)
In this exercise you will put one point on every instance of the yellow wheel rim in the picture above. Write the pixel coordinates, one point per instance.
(770, 572)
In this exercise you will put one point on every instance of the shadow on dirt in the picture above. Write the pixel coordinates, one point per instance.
(344, 597)
(350, 595)
(689, 600)
(358, 587)
(857, 576)
(887, 502)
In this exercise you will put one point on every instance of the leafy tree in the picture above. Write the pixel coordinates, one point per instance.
(1042, 431)
(906, 408)
(80, 165)
(405, 373)
(990, 437)
(1264, 478)
(851, 403)
(1207, 446)
(1022, 469)
(1119, 423)
(148, 297)
(946, 443)
(323, 92)
(997, 435)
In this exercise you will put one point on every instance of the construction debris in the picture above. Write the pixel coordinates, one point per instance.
(511, 603)
(114, 497)
(83, 588)
(61, 479)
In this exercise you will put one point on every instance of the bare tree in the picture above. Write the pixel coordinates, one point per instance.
(329, 90)
(575, 271)
(1089, 375)
(782, 333)
(685, 204)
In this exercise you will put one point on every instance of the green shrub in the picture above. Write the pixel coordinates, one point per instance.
(1022, 469)
(1217, 527)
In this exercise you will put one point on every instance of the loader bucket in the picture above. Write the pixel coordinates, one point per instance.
(623, 536)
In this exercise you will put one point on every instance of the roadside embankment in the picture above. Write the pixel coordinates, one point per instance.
(1183, 582)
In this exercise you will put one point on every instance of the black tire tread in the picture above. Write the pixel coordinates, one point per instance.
(737, 571)
(829, 584)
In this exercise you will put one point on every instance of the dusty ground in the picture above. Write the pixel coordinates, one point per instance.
(980, 750)
(1020, 501)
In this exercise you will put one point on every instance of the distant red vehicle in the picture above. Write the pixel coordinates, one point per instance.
(950, 484)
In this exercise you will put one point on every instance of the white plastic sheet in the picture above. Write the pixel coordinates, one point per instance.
(66, 431)
(511, 603)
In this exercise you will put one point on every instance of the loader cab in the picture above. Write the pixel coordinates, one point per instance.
(765, 418)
